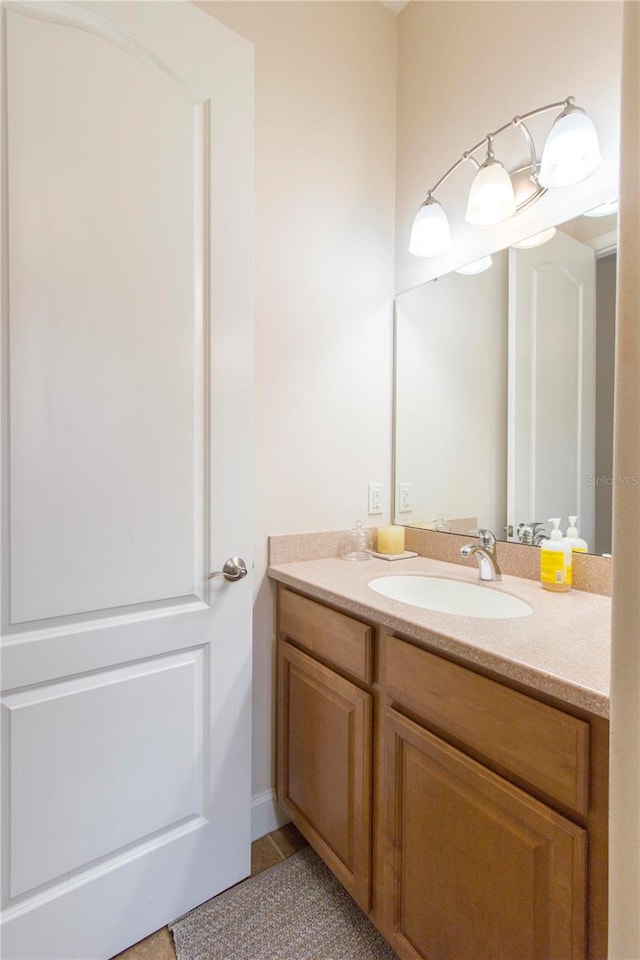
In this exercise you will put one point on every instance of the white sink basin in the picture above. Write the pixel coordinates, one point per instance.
(451, 596)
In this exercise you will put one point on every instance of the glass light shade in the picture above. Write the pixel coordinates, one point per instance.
(603, 210)
(430, 233)
(491, 197)
(476, 266)
(571, 152)
(535, 240)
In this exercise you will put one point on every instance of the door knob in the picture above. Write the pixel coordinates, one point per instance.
(234, 569)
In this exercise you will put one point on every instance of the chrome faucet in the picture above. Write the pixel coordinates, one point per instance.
(532, 532)
(485, 552)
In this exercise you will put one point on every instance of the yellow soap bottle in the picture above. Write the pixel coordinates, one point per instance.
(576, 542)
(556, 572)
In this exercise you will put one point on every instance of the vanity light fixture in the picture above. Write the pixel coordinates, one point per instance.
(536, 240)
(571, 154)
(476, 266)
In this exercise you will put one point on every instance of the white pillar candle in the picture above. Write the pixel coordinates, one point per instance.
(390, 540)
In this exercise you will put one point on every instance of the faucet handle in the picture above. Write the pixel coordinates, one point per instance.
(531, 532)
(487, 539)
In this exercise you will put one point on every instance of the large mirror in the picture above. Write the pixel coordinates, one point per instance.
(504, 390)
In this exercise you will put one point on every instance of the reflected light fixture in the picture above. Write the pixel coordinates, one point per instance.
(603, 210)
(535, 240)
(571, 154)
(476, 266)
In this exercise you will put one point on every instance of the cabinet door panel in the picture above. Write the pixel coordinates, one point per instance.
(474, 867)
(324, 765)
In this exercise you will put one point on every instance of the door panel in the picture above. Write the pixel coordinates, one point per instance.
(102, 164)
(552, 383)
(74, 735)
(126, 441)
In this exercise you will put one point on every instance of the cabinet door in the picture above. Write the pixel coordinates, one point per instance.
(324, 765)
(475, 869)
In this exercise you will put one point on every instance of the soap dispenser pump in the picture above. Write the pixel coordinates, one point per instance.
(576, 542)
(556, 572)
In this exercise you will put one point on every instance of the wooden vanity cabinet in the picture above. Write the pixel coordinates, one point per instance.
(494, 816)
(483, 833)
(476, 867)
(325, 736)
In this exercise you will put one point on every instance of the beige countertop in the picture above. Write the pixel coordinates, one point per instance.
(562, 648)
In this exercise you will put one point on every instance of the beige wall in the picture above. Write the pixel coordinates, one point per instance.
(466, 68)
(624, 827)
(325, 173)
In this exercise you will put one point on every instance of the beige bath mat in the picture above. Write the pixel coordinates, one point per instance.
(296, 910)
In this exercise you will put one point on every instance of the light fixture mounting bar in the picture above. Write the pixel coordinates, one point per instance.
(518, 121)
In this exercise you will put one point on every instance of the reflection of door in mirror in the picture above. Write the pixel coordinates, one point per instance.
(561, 377)
(552, 384)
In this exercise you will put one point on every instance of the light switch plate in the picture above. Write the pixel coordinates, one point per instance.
(375, 499)
(405, 498)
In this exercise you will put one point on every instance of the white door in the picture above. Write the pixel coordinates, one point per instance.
(551, 449)
(126, 309)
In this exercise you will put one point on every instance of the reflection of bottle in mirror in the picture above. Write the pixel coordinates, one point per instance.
(577, 544)
(556, 571)
(441, 525)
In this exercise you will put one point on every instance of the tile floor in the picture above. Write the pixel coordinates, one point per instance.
(265, 853)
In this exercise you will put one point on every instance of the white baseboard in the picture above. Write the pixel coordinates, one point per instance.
(266, 815)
